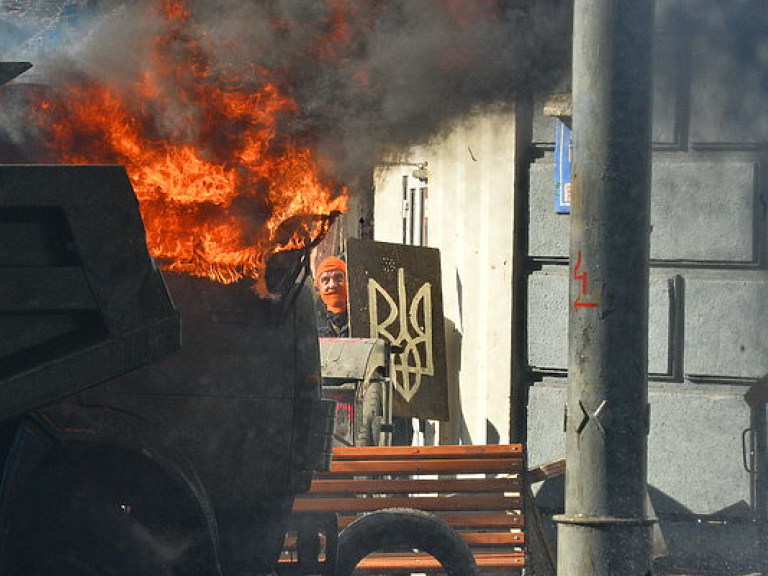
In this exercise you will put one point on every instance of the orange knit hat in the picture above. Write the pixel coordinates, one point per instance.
(335, 301)
(331, 263)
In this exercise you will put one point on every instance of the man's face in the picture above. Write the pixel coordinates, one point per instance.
(332, 281)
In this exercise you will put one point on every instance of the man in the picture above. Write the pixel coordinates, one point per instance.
(331, 283)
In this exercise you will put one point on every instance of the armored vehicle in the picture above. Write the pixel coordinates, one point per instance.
(151, 423)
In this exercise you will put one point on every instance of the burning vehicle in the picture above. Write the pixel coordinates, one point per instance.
(189, 463)
(131, 442)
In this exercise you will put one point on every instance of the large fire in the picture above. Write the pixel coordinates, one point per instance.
(215, 184)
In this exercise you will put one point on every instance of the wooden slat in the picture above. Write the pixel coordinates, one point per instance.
(487, 511)
(478, 539)
(412, 486)
(420, 562)
(499, 559)
(546, 471)
(450, 451)
(493, 538)
(462, 520)
(432, 466)
(394, 563)
(427, 503)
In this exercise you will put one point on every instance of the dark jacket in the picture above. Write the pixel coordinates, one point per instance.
(330, 325)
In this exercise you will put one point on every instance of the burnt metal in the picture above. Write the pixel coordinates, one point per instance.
(227, 430)
(353, 368)
(53, 427)
(10, 70)
(605, 529)
(312, 558)
(241, 368)
(237, 413)
(242, 400)
(80, 299)
(353, 359)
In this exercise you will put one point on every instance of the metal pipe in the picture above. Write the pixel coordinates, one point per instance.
(518, 417)
(605, 529)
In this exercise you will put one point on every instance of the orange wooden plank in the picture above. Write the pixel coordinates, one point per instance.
(473, 503)
(412, 486)
(398, 563)
(500, 559)
(414, 467)
(489, 520)
(478, 507)
(493, 538)
(546, 471)
(419, 562)
(448, 451)
(463, 520)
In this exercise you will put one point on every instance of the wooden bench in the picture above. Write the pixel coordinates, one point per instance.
(477, 490)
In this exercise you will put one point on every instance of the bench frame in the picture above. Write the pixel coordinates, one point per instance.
(478, 490)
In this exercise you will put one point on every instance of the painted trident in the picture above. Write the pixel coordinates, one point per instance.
(407, 325)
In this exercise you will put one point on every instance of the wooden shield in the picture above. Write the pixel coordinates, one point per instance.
(395, 294)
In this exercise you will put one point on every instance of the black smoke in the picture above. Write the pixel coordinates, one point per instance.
(369, 76)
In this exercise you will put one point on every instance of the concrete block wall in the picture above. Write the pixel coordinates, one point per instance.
(708, 316)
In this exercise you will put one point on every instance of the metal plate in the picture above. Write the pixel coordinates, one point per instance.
(81, 301)
(395, 294)
(352, 358)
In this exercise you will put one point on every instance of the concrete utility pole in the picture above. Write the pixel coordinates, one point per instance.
(604, 530)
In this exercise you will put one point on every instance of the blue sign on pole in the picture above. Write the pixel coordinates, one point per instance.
(562, 167)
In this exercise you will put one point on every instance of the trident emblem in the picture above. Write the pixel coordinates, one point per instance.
(407, 325)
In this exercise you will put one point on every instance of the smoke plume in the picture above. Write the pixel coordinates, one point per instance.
(368, 76)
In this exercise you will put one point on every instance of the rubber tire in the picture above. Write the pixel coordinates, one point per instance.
(368, 427)
(76, 528)
(404, 527)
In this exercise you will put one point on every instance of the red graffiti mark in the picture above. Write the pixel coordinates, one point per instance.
(581, 277)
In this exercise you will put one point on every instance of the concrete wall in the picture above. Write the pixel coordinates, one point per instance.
(708, 286)
(708, 335)
(470, 215)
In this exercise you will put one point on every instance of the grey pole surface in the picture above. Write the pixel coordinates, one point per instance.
(605, 530)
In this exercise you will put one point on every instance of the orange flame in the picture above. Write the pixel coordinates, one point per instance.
(215, 178)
